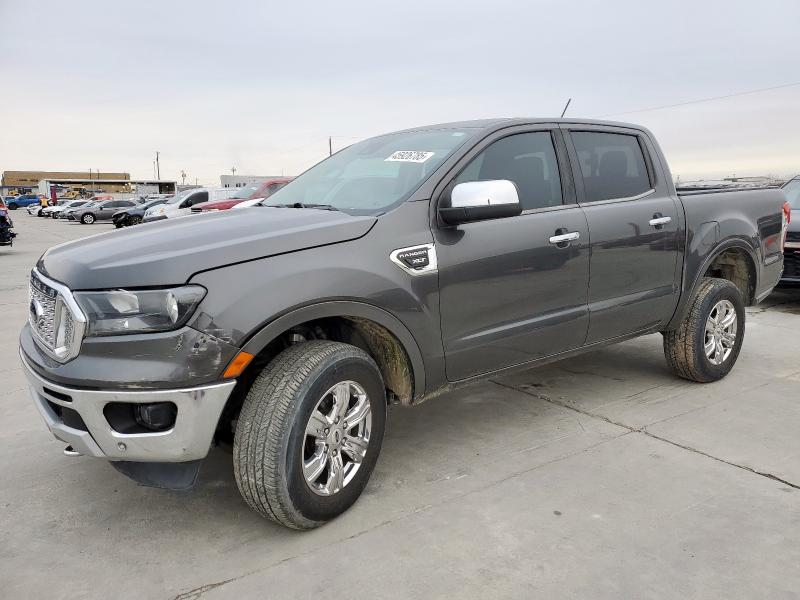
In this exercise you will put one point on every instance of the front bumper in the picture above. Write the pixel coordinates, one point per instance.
(199, 409)
(154, 218)
(791, 263)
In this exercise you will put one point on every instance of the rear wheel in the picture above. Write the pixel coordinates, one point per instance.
(87, 219)
(309, 433)
(706, 344)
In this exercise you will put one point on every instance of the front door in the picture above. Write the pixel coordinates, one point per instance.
(508, 295)
(634, 223)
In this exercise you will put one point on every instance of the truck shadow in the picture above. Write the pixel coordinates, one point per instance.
(785, 298)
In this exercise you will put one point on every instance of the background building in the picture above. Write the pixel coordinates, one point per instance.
(31, 179)
(237, 181)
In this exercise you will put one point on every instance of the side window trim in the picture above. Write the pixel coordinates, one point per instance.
(577, 174)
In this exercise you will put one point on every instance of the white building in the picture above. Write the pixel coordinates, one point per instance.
(237, 181)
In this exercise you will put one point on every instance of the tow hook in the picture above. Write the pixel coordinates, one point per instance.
(70, 451)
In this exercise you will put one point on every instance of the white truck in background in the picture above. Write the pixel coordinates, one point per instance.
(181, 203)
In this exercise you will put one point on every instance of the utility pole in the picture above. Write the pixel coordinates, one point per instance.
(233, 171)
(158, 167)
(330, 145)
(183, 177)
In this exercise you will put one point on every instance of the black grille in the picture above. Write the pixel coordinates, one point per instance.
(793, 236)
(70, 418)
(791, 263)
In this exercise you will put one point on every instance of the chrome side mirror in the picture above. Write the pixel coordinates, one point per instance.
(479, 200)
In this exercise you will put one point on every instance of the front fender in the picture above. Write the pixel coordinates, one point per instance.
(343, 308)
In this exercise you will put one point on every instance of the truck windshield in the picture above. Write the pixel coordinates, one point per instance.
(370, 177)
(792, 191)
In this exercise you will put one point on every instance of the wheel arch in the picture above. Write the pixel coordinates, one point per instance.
(729, 258)
(384, 334)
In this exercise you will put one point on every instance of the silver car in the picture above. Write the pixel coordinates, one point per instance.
(102, 211)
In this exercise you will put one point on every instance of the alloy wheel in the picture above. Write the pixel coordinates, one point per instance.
(720, 333)
(336, 438)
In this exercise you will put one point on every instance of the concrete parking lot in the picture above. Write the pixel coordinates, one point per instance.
(603, 476)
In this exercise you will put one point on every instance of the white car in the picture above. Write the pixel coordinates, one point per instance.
(181, 203)
(53, 211)
(33, 209)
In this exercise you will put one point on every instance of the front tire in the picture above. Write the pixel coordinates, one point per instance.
(706, 344)
(13, 206)
(296, 459)
(87, 219)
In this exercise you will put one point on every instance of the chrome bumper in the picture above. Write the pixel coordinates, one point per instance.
(190, 438)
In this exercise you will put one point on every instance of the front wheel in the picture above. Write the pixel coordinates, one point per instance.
(87, 219)
(309, 433)
(706, 344)
(13, 206)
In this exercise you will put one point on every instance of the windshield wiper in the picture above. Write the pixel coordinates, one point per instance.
(303, 205)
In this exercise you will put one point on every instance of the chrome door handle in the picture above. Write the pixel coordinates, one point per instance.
(660, 221)
(565, 237)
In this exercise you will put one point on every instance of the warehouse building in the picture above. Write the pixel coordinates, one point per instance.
(239, 181)
(29, 180)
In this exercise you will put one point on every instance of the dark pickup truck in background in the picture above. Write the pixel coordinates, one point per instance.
(401, 267)
(791, 252)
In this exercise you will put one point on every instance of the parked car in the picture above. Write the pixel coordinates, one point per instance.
(135, 214)
(791, 253)
(54, 211)
(255, 192)
(99, 211)
(181, 204)
(7, 233)
(21, 201)
(401, 267)
(64, 214)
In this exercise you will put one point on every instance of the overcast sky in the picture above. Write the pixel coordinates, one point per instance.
(260, 85)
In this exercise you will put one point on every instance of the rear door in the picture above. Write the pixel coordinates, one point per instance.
(508, 295)
(634, 226)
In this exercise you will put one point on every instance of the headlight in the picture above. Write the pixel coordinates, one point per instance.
(138, 311)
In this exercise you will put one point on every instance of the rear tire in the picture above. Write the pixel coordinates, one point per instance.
(286, 433)
(703, 348)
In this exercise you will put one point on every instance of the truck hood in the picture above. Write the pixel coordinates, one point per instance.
(169, 252)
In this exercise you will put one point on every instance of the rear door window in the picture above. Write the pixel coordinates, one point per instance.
(612, 165)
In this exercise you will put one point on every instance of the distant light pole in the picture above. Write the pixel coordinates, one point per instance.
(158, 167)
(183, 177)
(233, 171)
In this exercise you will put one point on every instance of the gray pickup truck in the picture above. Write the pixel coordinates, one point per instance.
(402, 267)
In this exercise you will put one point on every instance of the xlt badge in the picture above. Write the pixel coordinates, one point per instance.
(416, 260)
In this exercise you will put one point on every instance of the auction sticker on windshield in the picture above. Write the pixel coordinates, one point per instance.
(415, 156)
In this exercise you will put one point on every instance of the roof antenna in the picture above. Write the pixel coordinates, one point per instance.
(566, 106)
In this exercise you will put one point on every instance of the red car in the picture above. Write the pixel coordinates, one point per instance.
(263, 189)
